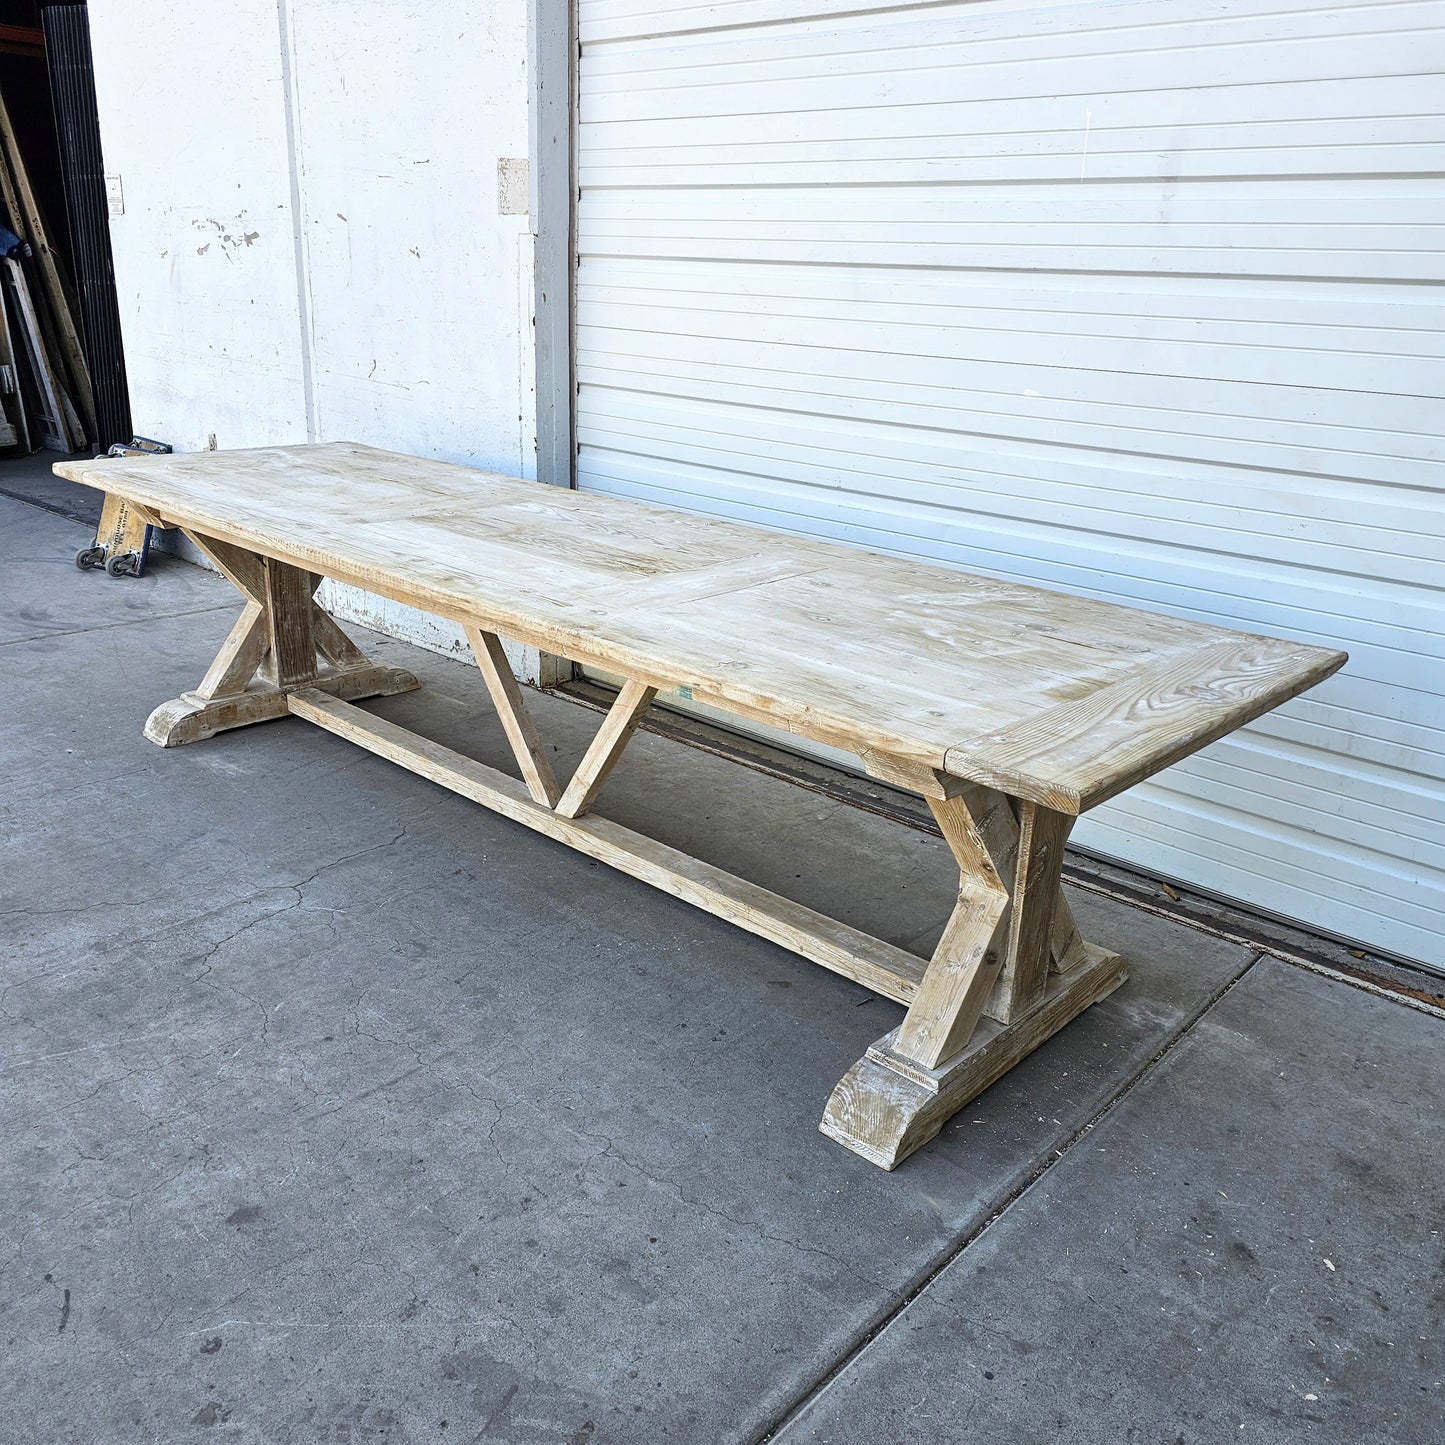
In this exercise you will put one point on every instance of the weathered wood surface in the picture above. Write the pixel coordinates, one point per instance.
(966, 963)
(516, 721)
(880, 966)
(1058, 699)
(622, 720)
(278, 644)
(1008, 708)
(886, 1105)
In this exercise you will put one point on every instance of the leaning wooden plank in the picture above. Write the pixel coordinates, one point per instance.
(55, 360)
(877, 965)
(50, 417)
(74, 427)
(11, 216)
(10, 398)
(70, 345)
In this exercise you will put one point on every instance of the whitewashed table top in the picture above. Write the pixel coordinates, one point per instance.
(1053, 697)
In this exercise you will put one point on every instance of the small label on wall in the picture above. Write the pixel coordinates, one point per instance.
(512, 186)
(114, 196)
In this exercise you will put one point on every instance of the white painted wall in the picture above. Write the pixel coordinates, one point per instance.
(311, 247)
(193, 119)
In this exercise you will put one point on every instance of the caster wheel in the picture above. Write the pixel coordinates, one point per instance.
(89, 557)
(127, 564)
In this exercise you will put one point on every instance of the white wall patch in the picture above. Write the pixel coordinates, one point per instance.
(512, 178)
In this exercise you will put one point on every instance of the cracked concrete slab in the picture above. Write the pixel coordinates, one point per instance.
(341, 1107)
(1248, 1247)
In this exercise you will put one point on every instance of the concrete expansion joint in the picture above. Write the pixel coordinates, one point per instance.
(892, 1315)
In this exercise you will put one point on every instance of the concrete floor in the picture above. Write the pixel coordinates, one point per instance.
(334, 1108)
(32, 479)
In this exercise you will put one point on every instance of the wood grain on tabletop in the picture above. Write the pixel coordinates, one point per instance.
(1060, 699)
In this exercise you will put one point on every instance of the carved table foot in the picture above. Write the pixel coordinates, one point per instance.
(886, 1105)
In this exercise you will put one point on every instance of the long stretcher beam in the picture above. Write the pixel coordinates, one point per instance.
(877, 965)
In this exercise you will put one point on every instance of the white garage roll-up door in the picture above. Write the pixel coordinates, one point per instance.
(1139, 300)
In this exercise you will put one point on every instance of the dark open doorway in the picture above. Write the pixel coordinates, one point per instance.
(62, 365)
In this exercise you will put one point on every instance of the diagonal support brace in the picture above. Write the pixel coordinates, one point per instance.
(622, 720)
(960, 975)
(516, 720)
(277, 645)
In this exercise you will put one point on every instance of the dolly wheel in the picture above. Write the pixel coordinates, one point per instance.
(126, 564)
(89, 557)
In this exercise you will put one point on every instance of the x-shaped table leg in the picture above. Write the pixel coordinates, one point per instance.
(282, 641)
(1009, 971)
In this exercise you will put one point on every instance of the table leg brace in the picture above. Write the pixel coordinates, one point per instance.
(995, 957)
(282, 641)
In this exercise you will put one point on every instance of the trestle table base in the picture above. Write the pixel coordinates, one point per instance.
(1009, 970)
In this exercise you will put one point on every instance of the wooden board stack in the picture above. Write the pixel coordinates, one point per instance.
(45, 394)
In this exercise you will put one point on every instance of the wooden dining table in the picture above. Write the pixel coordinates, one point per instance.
(1010, 709)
